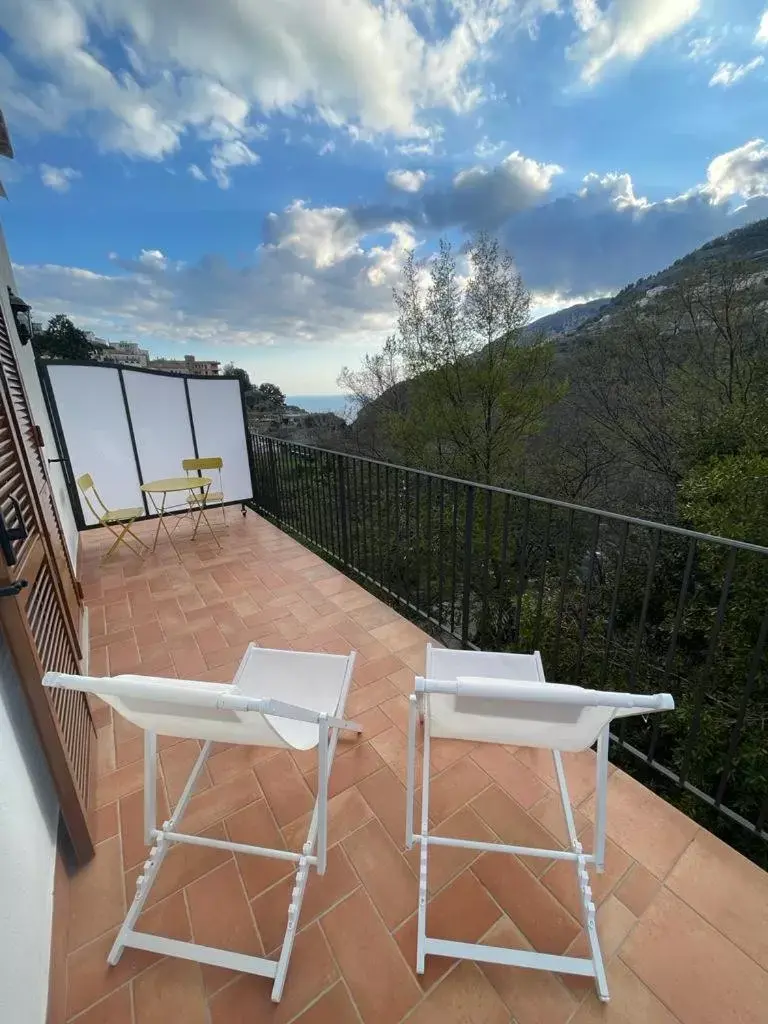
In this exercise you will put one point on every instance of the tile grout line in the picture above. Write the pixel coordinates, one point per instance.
(465, 806)
(102, 999)
(647, 987)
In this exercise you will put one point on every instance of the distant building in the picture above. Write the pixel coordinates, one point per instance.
(196, 367)
(125, 353)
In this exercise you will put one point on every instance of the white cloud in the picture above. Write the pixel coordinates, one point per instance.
(153, 259)
(728, 73)
(197, 173)
(701, 47)
(208, 68)
(618, 189)
(326, 148)
(600, 237)
(486, 150)
(545, 302)
(605, 236)
(623, 30)
(484, 197)
(761, 38)
(741, 172)
(58, 178)
(479, 197)
(313, 281)
(407, 181)
(323, 236)
(232, 153)
(416, 148)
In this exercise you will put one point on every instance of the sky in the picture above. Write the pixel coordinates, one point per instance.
(240, 180)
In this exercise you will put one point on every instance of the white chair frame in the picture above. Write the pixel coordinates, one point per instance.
(591, 966)
(161, 839)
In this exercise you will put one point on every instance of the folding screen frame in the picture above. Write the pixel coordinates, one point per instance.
(61, 443)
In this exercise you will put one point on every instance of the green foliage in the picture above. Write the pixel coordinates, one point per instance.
(474, 392)
(666, 414)
(728, 496)
(60, 339)
(230, 370)
(610, 605)
(270, 395)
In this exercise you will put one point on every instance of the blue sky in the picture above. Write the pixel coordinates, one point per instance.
(239, 179)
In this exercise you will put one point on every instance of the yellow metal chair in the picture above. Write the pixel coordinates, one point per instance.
(214, 498)
(117, 520)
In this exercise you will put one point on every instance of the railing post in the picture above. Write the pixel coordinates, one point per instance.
(469, 519)
(343, 509)
(276, 504)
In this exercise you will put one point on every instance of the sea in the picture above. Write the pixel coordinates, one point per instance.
(320, 403)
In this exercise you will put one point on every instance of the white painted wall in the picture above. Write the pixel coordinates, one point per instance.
(26, 360)
(28, 821)
(29, 809)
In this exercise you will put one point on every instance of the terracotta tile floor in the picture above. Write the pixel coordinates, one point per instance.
(683, 919)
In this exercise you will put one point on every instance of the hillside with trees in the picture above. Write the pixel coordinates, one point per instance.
(632, 404)
(656, 406)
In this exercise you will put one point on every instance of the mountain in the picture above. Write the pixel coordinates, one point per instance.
(567, 319)
(748, 245)
(573, 324)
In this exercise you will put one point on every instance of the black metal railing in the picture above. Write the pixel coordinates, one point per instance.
(611, 601)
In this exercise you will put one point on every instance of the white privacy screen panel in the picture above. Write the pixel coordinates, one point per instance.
(90, 403)
(161, 427)
(217, 412)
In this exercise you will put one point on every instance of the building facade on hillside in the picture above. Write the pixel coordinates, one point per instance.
(197, 367)
(125, 353)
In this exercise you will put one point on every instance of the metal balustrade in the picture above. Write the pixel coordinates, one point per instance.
(612, 601)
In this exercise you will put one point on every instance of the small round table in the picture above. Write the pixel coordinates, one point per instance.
(174, 485)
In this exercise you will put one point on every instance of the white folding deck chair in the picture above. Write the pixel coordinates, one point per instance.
(285, 699)
(504, 698)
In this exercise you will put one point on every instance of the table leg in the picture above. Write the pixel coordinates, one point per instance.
(161, 522)
(160, 517)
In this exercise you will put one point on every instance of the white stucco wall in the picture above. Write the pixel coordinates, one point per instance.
(28, 804)
(26, 360)
(28, 821)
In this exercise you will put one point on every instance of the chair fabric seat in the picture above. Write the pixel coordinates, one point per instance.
(547, 726)
(314, 681)
(121, 515)
(196, 498)
(551, 725)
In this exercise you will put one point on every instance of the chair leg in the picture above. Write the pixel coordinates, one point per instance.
(565, 801)
(156, 857)
(322, 794)
(413, 714)
(421, 925)
(588, 910)
(316, 834)
(601, 798)
(134, 536)
(150, 785)
(302, 874)
(122, 538)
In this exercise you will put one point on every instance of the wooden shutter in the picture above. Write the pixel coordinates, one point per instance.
(41, 622)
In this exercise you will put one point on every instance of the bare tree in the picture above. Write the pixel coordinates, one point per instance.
(473, 391)
(672, 379)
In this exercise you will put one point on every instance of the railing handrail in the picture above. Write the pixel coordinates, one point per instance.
(681, 531)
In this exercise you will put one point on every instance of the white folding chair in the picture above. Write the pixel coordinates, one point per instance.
(504, 698)
(306, 712)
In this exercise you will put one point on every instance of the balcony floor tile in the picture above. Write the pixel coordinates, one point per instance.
(684, 918)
